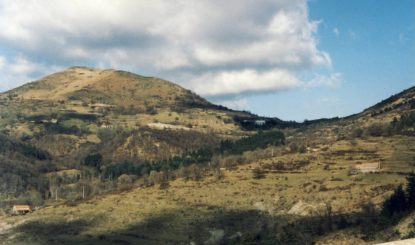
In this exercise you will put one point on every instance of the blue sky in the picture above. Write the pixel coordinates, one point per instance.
(374, 50)
(293, 59)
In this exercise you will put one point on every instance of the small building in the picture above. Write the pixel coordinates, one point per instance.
(260, 122)
(106, 126)
(21, 209)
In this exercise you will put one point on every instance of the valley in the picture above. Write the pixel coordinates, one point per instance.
(111, 157)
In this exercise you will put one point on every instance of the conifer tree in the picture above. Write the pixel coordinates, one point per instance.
(410, 191)
(396, 204)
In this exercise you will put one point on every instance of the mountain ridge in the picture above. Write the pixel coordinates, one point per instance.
(99, 86)
(184, 162)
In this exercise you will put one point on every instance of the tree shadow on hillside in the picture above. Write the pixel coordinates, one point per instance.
(212, 225)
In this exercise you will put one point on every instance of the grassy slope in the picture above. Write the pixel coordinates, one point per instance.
(117, 99)
(191, 211)
(188, 211)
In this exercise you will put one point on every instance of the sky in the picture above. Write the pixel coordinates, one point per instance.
(292, 59)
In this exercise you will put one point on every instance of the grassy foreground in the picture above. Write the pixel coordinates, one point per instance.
(283, 205)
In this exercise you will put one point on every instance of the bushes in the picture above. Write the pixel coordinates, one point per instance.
(115, 170)
(401, 200)
(189, 164)
(9, 145)
(195, 172)
(260, 140)
(357, 133)
(127, 111)
(375, 130)
(302, 149)
(56, 128)
(287, 166)
(410, 190)
(293, 147)
(297, 148)
(164, 185)
(258, 173)
(396, 203)
(80, 116)
(93, 160)
(403, 124)
(125, 182)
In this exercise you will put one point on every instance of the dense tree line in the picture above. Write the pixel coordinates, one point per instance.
(29, 178)
(259, 140)
(402, 200)
(17, 177)
(58, 128)
(406, 121)
(403, 125)
(201, 156)
(115, 170)
(8, 145)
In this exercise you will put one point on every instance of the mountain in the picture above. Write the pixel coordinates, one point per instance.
(394, 115)
(111, 157)
(109, 88)
(71, 112)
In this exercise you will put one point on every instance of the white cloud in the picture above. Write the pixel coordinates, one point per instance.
(336, 32)
(237, 82)
(331, 81)
(231, 47)
(20, 70)
(236, 104)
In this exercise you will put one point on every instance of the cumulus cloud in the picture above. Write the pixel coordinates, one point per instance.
(223, 48)
(20, 70)
(237, 82)
(15, 72)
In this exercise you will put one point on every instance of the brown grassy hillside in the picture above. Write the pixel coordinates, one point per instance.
(136, 160)
(74, 111)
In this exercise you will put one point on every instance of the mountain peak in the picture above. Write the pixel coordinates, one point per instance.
(108, 86)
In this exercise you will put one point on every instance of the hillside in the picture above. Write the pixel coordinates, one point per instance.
(106, 89)
(288, 205)
(111, 157)
(79, 109)
(394, 115)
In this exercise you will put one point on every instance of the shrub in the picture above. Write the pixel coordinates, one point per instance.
(164, 185)
(258, 173)
(125, 182)
(357, 133)
(260, 140)
(152, 177)
(302, 149)
(36, 198)
(195, 172)
(93, 160)
(375, 130)
(396, 203)
(293, 147)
